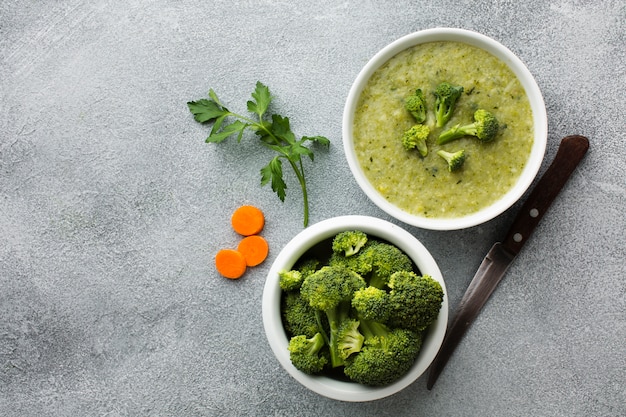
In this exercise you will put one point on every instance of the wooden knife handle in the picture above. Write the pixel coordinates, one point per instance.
(571, 151)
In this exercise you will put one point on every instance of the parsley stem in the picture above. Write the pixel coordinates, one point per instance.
(300, 174)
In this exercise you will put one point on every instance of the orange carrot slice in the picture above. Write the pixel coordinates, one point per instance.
(247, 220)
(254, 248)
(230, 263)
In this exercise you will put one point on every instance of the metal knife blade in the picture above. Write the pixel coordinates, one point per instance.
(493, 267)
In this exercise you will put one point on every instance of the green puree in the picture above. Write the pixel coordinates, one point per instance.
(424, 186)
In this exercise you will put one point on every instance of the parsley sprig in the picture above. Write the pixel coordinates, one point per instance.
(273, 130)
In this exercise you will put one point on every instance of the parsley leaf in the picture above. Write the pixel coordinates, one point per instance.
(273, 172)
(205, 110)
(273, 131)
(235, 127)
(263, 98)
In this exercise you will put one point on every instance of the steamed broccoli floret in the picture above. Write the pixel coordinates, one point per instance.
(349, 339)
(485, 128)
(385, 260)
(346, 250)
(307, 266)
(415, 138)
(356, 263)
(372, 303)
(414, 300)
(330, 290)
(299, 318)
(349, 242)
(446, 96)
(308, 354)
(455, 160)
(290, 280)
(387, 354)
(416, 105)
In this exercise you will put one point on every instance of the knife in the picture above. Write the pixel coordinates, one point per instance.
(493, 267)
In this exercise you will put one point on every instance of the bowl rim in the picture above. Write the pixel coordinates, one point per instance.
(303, 241)
(538, 108)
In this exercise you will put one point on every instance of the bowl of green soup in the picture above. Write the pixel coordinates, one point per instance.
(444, 129)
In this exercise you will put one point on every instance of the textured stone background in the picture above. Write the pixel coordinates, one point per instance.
(112, 208)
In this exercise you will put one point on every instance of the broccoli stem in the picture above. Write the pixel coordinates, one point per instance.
(335, 317)
(320, 326)
(317, 342)
(456, 132)
(371, 328)
(377, 281)
(440, 116)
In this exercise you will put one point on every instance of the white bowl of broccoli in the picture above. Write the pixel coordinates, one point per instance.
(444, 129)
(345, 297)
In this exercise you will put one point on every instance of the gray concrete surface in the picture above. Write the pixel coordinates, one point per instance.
(112, 208)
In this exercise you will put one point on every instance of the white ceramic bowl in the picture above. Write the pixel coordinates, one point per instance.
(298, 246)
(536, 103)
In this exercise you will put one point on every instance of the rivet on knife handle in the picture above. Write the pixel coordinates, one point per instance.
(497, 261)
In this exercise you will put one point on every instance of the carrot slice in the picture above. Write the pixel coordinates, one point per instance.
(247, 220)
(230, 263)
(254, 248)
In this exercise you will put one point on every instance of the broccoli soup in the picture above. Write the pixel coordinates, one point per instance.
(423, 185)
